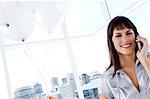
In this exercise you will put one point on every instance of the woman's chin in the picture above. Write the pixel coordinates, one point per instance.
(126, 52)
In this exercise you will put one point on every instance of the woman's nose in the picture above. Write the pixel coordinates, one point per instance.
(125, 39)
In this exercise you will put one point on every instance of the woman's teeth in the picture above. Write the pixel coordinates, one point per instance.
(126, 45)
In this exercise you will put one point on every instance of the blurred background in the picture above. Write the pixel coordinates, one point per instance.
(58, 49)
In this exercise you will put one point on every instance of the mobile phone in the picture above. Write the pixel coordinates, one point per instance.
(139, 45)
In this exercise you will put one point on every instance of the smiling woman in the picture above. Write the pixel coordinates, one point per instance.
(124, 40)
(129, 70)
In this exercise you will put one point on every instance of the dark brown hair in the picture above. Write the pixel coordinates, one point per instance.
(119, 22)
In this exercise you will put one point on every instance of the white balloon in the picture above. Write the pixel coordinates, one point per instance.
(5, 11)
(2, 15)
(51, 12)
(31, 5)
(20, 23)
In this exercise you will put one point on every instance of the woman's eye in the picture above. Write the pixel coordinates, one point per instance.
(129, 33)
(118, 36)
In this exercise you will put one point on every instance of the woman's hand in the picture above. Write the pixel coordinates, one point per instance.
(142, 54)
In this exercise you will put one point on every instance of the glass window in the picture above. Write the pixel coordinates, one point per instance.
(28, 65)
(120, 7)
(84, 18)
(42, 61)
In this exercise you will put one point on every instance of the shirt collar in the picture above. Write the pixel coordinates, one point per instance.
(137, 62)
(119, 71)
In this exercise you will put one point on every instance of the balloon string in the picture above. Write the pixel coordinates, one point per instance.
(30, 57)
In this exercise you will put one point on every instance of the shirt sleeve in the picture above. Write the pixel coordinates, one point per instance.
(104, 88)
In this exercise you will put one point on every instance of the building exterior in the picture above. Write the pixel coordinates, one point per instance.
(85, 78)
(90, 89)
(64, 80)
(28, 92)
(91, 93)
(67, 91)
(54, 84)
(68, 87)
(71, 81)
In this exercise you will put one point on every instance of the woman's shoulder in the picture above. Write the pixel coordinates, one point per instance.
(108, 73)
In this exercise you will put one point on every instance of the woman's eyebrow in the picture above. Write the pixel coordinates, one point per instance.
(118, 33)
(128, 31)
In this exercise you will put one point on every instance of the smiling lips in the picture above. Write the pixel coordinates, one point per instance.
(126, 45)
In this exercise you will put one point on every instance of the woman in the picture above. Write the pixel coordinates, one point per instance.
(128, 76)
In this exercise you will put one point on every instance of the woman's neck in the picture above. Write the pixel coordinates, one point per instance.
(127, 60)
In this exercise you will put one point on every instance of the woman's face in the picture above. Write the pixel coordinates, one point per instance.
(124, 41)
